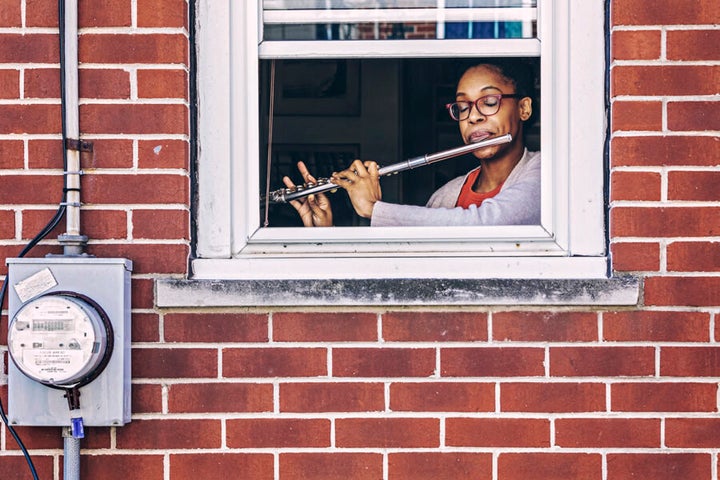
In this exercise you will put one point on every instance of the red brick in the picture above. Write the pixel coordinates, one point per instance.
(434, 326)
(334, 466)
(693, 45)
(216, 327)
(387, 432)
(7, 220)
(158, 188)
(552, 397)
(104, 13)
(160, 224)
(693, 257)
(690, 361)
(33, 221)
(671, 12)
(607, 433)
(220, 465)
(665, 151)
(32, 119)
(45, 154)
(133, 119)
(163, 13)
(663, 397)
(682, 291)
(440, 466)
(146, 258)
(602, 361)
(9, 81)
(96, 224)
(637, 115)
(442, 397)
(492, 362)
(163, 154)
(220, 397)
(33, 48)
(42, 83)
(133, 49)
(497, 432)
(174, 363)
(549, 466)
(104, 83)
(636, 45)
(10, 13)
(664, 221)
(145, 327)
(545, 326)
(121, 467)
(642, 186)
(12, 154)
(162, 84)
(41, 13)
(694, 185)
(692, 432)
(16, 468)
(665, 80)
(35, 437)
(169, 434)
(324, 327)
(694, 116)
(635, 256)
(274, 362)
(656, 326)
(143, 293)
(146, 398)
(660, 466)
(278, 433)
(108, 153)
(33, 189)
(332, 397)
(383, 362)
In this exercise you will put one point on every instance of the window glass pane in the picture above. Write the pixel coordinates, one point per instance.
(329, 112)
(398, 19)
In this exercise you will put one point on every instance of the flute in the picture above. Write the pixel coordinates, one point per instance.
(285, 195)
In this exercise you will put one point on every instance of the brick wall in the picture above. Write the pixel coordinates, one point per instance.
(497, 393)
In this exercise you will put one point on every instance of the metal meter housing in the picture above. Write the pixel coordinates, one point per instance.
(62, 339)
(49, 300)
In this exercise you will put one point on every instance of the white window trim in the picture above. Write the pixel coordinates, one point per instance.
(231, 244)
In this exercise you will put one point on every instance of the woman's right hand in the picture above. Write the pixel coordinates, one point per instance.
(314, 210)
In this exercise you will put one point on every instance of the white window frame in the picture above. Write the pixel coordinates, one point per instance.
(570, 242)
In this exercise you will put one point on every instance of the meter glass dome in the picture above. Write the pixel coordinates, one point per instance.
(58, 340)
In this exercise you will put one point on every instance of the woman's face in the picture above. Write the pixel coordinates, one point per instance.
(486, 80)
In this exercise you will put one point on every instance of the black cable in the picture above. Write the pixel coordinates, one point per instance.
(54, 221)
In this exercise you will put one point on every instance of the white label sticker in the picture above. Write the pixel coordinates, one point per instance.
(35, 285)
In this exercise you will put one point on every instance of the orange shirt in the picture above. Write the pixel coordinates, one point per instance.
(468, 197)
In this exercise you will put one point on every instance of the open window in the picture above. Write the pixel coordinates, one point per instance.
(369, 79)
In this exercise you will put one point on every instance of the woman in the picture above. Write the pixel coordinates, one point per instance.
(492, 99)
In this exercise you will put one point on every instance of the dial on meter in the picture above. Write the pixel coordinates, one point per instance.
(61, 340)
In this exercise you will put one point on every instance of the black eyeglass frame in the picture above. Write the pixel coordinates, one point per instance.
(476, 104)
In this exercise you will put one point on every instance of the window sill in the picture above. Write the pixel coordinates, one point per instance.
(614, 291)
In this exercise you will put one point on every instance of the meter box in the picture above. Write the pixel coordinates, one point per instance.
(69, 340)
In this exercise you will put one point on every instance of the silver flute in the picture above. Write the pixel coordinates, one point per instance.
(285, 195)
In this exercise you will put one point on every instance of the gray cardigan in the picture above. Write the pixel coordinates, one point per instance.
(517, 203)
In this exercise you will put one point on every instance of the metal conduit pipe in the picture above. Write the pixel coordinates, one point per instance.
(73, 242)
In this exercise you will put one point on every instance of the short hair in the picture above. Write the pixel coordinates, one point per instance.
(520, 72)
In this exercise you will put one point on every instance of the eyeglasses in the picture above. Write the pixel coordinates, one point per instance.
(487, 105)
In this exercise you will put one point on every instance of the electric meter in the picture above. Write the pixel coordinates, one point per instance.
(62, 339)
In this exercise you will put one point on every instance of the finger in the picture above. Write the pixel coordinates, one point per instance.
(288, 183)
(372, 168)
(304, 172)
